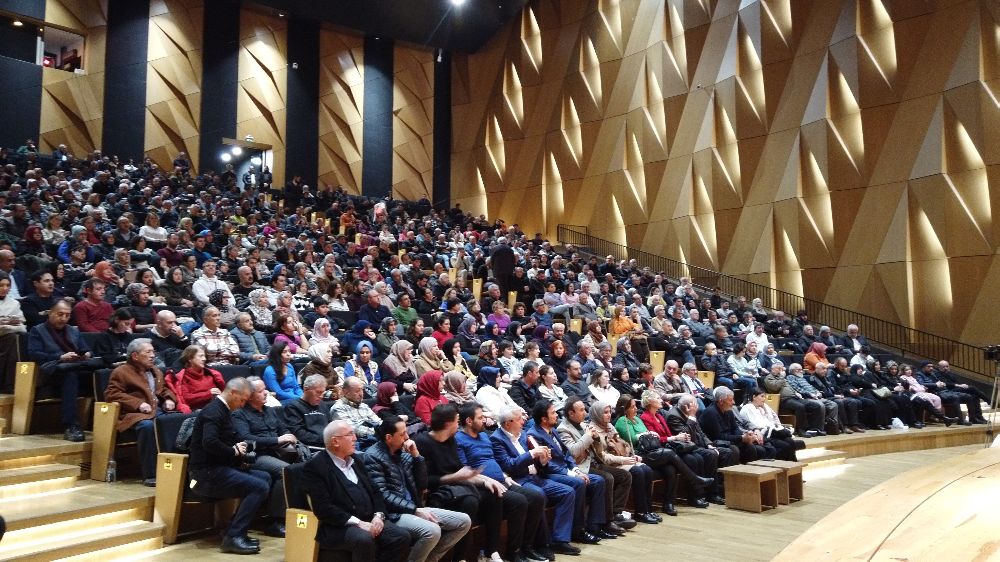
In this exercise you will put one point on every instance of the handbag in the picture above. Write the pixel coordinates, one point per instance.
(882, 392)
(682, 447)
(450, 495)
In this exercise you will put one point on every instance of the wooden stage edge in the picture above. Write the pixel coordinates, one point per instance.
(942, 511)
(902, 440)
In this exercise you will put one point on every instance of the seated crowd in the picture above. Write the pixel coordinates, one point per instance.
(416, 408)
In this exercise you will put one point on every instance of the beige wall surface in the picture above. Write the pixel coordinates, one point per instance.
(845, 150)
(341, 109)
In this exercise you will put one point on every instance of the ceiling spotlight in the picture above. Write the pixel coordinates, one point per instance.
(226, 157)
(282, 14)
(18, 23)
(255, 160)
(237, 151)
(457, 2)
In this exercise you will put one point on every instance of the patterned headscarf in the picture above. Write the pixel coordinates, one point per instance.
(133, 290)
(215, 299)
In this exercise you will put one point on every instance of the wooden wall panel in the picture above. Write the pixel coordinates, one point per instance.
(341, 109)
(844, 150)
(263, 75)
(73, 104)
(412, 123)
(173, 81)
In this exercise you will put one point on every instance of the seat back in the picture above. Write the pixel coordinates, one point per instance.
(657, 359)
(345, 317)
(295, 493)
(773, 400)
(230, 372)
(166, 427)
(576, 325)
(707, 378)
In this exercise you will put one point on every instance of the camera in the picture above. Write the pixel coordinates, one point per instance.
(250, 456)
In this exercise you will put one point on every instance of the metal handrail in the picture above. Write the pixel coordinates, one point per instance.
(908, 342)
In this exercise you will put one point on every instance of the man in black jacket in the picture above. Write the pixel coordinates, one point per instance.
(303, 416)
(719, 423)
(681, 419)
(524, 391)
(350, 508)
(265, 428)
(400, 473)
(217, 465)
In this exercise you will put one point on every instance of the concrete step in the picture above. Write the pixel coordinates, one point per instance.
(75, 503)
(38, 472)
(84, 544)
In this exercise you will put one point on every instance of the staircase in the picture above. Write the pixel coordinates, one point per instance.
(53, 514)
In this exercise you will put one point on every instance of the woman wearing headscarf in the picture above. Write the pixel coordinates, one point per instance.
(363, 366)
(877, 411)
(815, 354)
(321, 334)
(625, 357)
(260, 310)
(228, 315)
(387, 403)
(455, 389)
(33, 243)
(492, 398)
(140, 306)
(492, 332)
(431, 358)
(175, 290)
(362, 330)
(610, 449)
(386, 336)
(105, 272)
(429, 394)
(540, 336)
(321, 363)
(514, 336)
(399, 367)
(455, 361)
(595, 333)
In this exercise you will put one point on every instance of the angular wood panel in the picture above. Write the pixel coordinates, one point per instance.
(341, 109)
(263, 81)
(73, 104)
(173, 81)
(412, 123)
(843, 149)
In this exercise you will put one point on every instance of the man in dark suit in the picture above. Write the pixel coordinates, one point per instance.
(526, 465)
(350, 509)
(217, 465)
(62, 357)
(852, 340)
(719, 423)
(588, 488)
(681, 419)
(502, 262)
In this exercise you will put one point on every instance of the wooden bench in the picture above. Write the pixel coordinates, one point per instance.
(658, 359)
(751, 488)
(789, 479)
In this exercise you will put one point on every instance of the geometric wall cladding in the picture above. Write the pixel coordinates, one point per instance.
(173, 81)
(341, 109)
(262, 91)
(412, 123)
(72, 104)
(841, 149)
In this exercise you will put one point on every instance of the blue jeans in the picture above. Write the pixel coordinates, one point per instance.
(223, 482)
(146, 443)
(592, 493)
(562, 497)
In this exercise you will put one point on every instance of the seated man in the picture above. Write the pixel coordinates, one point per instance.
(220, 347)
(944, 374)
(587, 488)
(681, 419)
(578, 442)
(809, 413)
(36, 305)
(217, 465)
(93, 314)
(139, 388)
(253, 343)
(576, 385)
(63, 357)
(275, 447)
(719, 423)
(527, 468)
(303, 416)
(400, 474)
(168, 338)
(796, 378)
(351, 408)
(209, 283)
(372, 311)
(350, 508)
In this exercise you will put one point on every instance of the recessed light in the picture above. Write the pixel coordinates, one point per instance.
(18, 23)
(282, 14)
(457, 2)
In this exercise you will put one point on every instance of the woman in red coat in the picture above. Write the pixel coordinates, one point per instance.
(195, 385)
(429, 395)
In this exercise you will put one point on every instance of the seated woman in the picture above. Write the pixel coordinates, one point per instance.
(321, 363)
(429, 395)
(600, 387)
(140, 306)
(228, 314)
(290, 333)
(490, 396)
(175, 290)
(386, 336)
(364, 367)
(361, 331)
(549, 387)
(321, 334)
(194, 385)
(431, 357)
(621, 324)
(499, 315)
(455, 389)
(387, 403)
(415, 331)
(260, 310)
(815, 354)
(399, 368)
(442, 330)
(455, 361)
(763, 420)
(702, 461)
(279, 376)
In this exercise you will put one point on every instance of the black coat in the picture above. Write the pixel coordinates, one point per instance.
(326, 486)
(213, 438)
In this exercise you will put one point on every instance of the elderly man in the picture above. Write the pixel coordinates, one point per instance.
(848, 407)
(399, 471)
(253, 343)
(63, 357)
(209, 283)
(138, 387)
(944, 374)
(681, 418)
(352, 409)
(350, 508)
(217, 465)
(808, 413)
(303, 416)
(220, 347)
(527, 467)
(796, 378)
(720, 424)
(275, 447)
(167, 336)
(372, 311)
(589, 489)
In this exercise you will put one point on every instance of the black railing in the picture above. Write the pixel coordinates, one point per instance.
(909, 343)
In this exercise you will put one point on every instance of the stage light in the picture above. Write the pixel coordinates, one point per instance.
(255, 160)
(18, 23)
(457, 3)
(237, 151)
(226, 157)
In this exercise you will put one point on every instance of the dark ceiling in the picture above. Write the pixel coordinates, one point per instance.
(433, 23)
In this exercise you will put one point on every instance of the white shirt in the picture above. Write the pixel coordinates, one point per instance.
(205, 285)
(516, 440)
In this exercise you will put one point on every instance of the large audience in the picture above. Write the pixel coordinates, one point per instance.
(415, 408)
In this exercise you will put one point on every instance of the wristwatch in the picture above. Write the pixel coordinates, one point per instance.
(380, 515)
